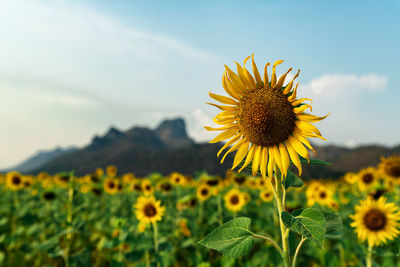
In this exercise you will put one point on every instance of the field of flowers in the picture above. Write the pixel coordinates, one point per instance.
(107, 219)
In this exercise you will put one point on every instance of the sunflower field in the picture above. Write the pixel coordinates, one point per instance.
(106, 219)
(264, 216)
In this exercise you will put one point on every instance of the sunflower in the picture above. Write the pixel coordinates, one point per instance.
(148, 210)
(350, 178)
(148, 189)
(14, 180)
(85, 188)
(376, 221)
(367, 179)
(177, 178)
(165, 186)
(49, 196)
(234, 200)
(111, 171)
(266, 195)
(203, 192)
(390, 167)
(127, 178)
(324, 195)
(62, 180)
(264, 120)
(110, 185)
(28, 180)
(184, 229)
(99, 172)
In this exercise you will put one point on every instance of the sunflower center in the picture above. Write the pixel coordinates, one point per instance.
(149, 210)
(367, 178)
(375, 220)
(234, 200)
(16, 180)
(394, 171)
(266, 117)
(322, 195)
(111, 185)
(204, 192)
(240, 180)
(267, 195)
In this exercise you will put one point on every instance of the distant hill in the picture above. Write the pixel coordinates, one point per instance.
(39, 159)
(167, 148)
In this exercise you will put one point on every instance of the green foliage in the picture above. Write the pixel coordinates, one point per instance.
(310, 223)
(314, 161)
(233, 239)
(292, 180)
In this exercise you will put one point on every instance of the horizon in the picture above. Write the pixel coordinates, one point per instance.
(90, 65)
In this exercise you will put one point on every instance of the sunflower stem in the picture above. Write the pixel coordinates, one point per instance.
(296, 254)
(369, 256)
(69, 218)
(219, 204)
(280, 195)
(155, 235)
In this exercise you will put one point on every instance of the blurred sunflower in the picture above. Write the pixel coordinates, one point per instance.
(85, 188)
(350, 178)
(49, 196)
(111, 171)
(147, 188)
(184, 228)
(390, 167)
(177, 179)
(99, 172)
(148, 210)
(28, 180)
(62, 180)
(127, 178)
(110, 186)
(376, 221)
(367, 179)
(203, 192)
(14, 180)
(324, 195)
(264, 120)
(165, 186)
(266, 195)
(234, 200)
(136, 186)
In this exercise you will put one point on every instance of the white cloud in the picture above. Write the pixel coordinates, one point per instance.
(196, 122)
(335, 84)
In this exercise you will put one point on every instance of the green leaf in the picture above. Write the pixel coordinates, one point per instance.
(314, 161)
(292, 180)
(334, 226)
(233, 239)
(310, 223)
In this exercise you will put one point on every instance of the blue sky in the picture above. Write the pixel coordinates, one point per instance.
(70, 69)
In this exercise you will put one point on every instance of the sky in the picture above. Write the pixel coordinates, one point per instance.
(71, 69)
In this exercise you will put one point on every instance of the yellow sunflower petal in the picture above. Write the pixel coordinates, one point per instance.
(240, 154)
(235, 79)
(310, 117)
(298, 147)
(224, 108)
(249, 157)
(230, 142)
(248, 75)
(233, 148)
(277, 157)
(306, 126)
(256, 160)
(224, 135)
(290, 85)
(208, 128)
(284, 158)
(282, 80)
(266, 79)
(271, 163)
(223, 99)
(229, 88)
(264, 160)
(255, 71)
(273, 77)
(294, 157)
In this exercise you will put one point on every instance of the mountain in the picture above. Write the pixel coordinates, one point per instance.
(39, 159)
(141, 150)
(168, 148)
